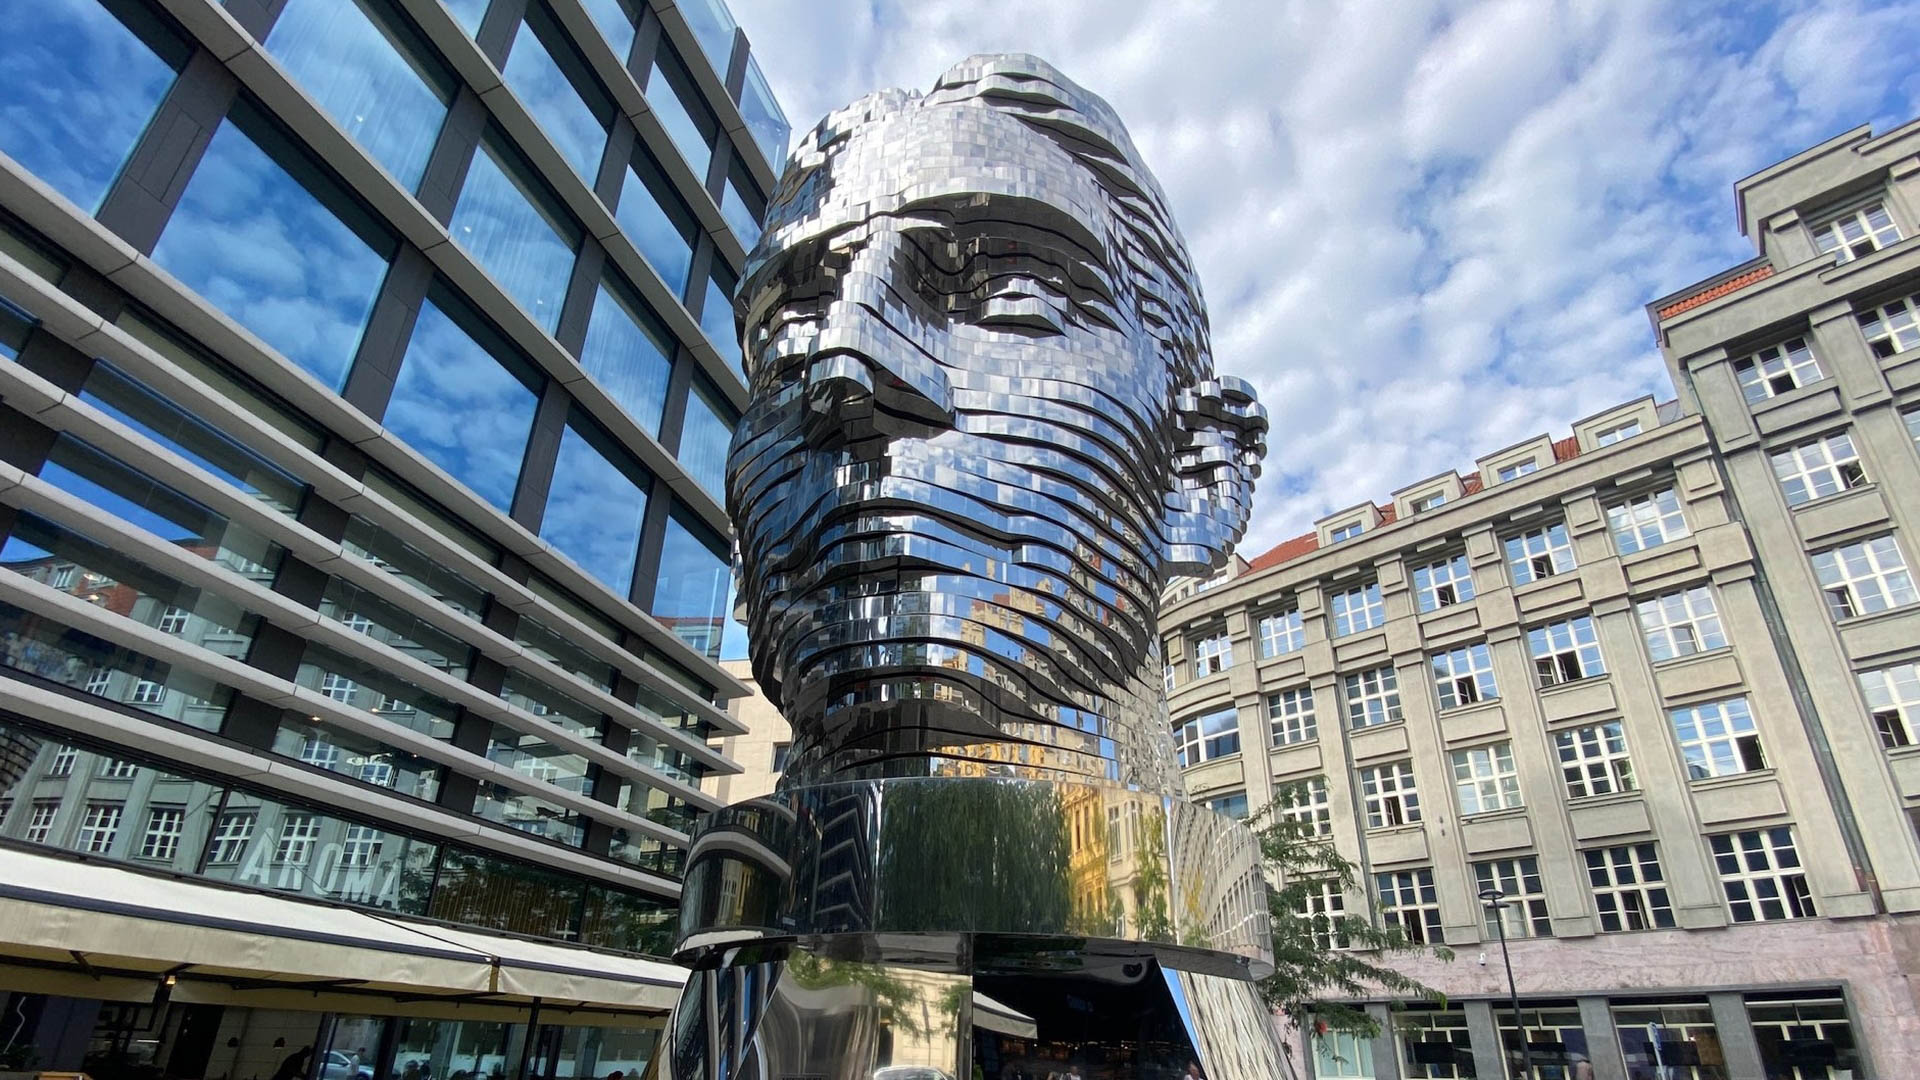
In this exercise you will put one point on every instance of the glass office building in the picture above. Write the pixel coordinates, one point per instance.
(366, 373)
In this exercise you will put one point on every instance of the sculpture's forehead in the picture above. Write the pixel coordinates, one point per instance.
(952, 156)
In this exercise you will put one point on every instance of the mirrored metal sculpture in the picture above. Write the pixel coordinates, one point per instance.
(984, 430)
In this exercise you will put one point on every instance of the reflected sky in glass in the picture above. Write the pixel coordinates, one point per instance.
(467, 13)
(657, 222)
(676, 116)
(460, 408)
(628, 353)
(716, 318)
(712, 25)
(538, 82)
(593, 512)
(614, 22)
(261, 248)
(691, 595)
(704, 435)
(765, 120)
(105, 498)
(79, 88)
(500, 225)
(739, 216)
(347, 63)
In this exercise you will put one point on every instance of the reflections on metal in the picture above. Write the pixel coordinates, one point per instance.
(984, 429)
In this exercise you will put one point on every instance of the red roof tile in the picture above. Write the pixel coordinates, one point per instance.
(1566, 449)
(1286, 551)
(1731, 285)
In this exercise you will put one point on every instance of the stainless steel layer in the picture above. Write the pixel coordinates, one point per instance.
(1110, 868)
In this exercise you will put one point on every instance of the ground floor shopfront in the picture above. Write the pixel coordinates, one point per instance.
(1803, 1000)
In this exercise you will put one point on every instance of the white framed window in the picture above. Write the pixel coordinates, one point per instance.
(389, 704)
(1912, 417)
(1305, 802)
(356, 622)
(1485, 779)
(162, 838)
(230, 837)
(1646, 521)
(1428, 502)
(338, 687)
(147, 692)
(1342, 1055)
(116, 769)
(1857, 233)
(379, 772)
(62, 763)
(1323, 904)
(1629, 891)
(1680, 623)
(1892, 328)
(1281, 633)
(1761, 874)
(172, 621)
(1864, 577)
(1776, 370)
(1522, 893)
(1211, 655)
(1346, 532)
(1233, 804)
(1290, 716)
(1814, 470)
(1515, 471)
(359, 846)
(1594, 760)
(99, 681)
(1539, 553)
(1208, 736)
(1443, 584)
(1464, 675)
(1409, 901)
(1565, 651)
(61, 577)
(297, 835)
(1390, 795)
(1357, 609)
(1166, 678)
(40, 820)
(1626, 429)
(319, 752)
(98, 826)
(1893, 699)
(1373, 697)
(1718, 738)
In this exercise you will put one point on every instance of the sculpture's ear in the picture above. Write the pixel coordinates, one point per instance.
(1217, 454)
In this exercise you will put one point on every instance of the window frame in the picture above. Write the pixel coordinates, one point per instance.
(1281, 632)
(1892, 695)
(1676, 618)
(1410, 892)
(1818, 468)
(1523, 895)
(1733, 862)
(1892, 580)
(1647, 520)
(1390, 795)
(1291, 716)
(1443, 583)
(1362, 689)
(1486, 779)
(1463, 676)
(1718, 738)
(1830, 234)
(1566, 651)
(1628, 886)
(1781, 368)
(1891, 328)
(1594, 754)
(1542, 550)
(1212, 653)
(1351, 616)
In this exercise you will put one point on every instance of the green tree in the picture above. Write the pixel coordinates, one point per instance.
(1310, 979)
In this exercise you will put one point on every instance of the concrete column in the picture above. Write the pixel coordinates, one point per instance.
(1489, 1056)
(1386, 1055)
(1843, 352)
(1736, 1034)
(1603, 1042)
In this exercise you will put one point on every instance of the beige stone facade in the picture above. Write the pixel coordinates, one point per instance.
(760, 750)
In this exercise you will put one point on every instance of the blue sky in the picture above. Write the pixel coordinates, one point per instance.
(1426, 230)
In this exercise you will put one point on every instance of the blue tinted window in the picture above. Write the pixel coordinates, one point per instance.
(504, 223)
(765, 121)
(657, 222)
(742, 206)
(467, 13)
(704, 436)
(570, 119)
(594, 505)
(615, 21)
(691, 595)
(716, 316)
(629, 354)
(671, 93)
(461, 405)
(712, 25)
(253, 236)
(78, 89)
(365, 68)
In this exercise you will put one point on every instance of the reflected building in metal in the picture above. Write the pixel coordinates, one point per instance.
(983, 430)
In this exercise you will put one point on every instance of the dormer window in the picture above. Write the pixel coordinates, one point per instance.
(1346, 532)
(1857, 233)
(1609, 435)
(1777, 369)
(1516, 470)
(1429, 502)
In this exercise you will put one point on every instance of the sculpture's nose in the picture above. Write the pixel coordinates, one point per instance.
(872, 369)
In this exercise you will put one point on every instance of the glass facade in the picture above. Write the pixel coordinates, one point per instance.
(505, 221)
(615, 18)
(765, 120)
(704, 435)
(671, 92)
(629, 354)
(363, 63)
(691, 595)
(467, 406)
(595, 505)
(546, 74)
(657, 221)
(716, 317)
(83, 78)
(265, 237)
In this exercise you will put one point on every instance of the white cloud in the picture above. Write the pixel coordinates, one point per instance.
(1426, 228)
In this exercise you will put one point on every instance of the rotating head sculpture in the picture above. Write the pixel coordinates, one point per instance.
(985, 429)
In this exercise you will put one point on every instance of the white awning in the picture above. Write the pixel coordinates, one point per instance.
(993, 1016)
(120, 921)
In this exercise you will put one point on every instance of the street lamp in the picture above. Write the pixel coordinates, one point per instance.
(1492, 899)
